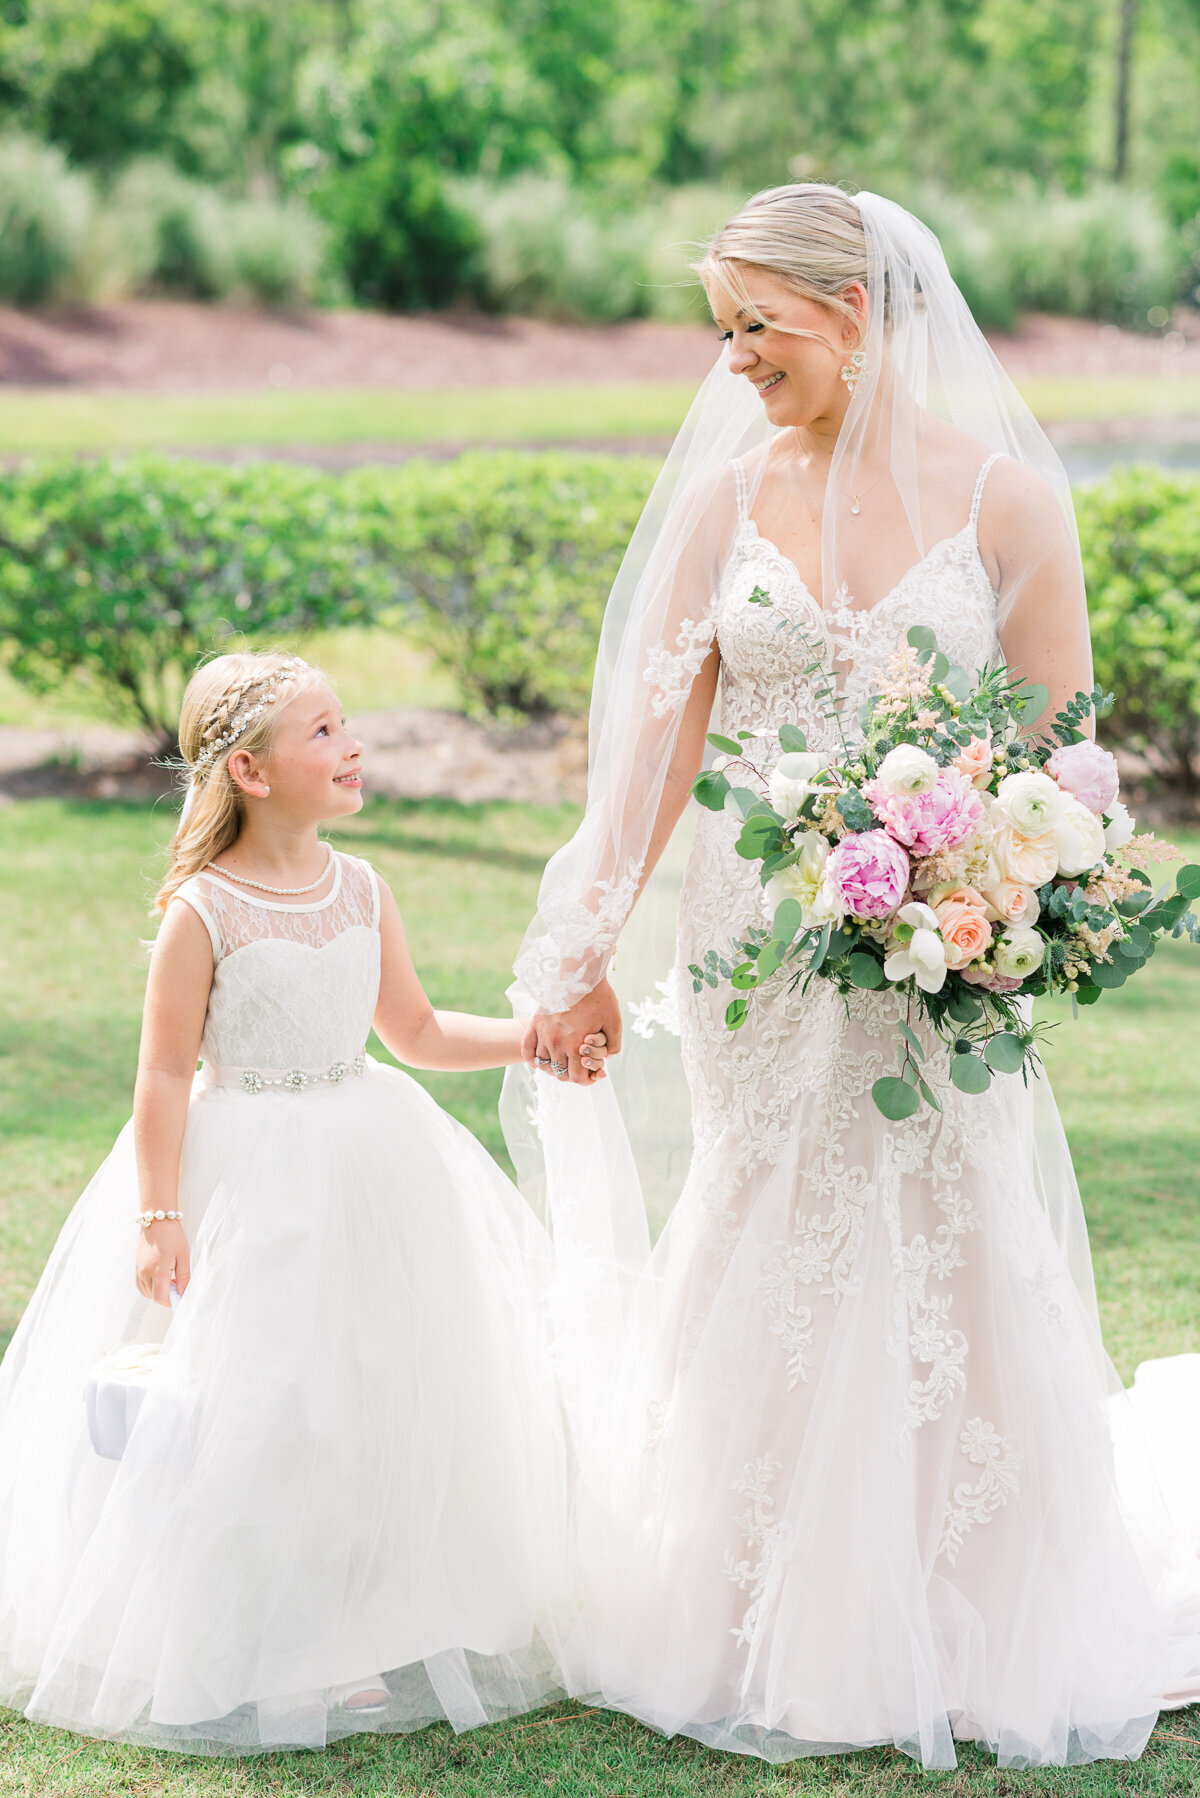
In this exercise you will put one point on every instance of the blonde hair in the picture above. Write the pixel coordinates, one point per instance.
(229, 703)
(809, 235)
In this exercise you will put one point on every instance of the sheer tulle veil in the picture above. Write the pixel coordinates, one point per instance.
(931, 405)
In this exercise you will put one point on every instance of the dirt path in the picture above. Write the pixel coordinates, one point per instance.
(176, 346)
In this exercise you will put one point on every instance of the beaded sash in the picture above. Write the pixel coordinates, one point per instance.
(290, 1080)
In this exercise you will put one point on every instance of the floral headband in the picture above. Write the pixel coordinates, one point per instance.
(242, 720)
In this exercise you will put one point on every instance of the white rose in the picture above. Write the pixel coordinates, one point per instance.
(802, 881)
(1120, 826)
(1018, 954)
(791, 781)
(1031, 803)
(1080, 837)
(1027, 861)
(923, 956)
(907, 769)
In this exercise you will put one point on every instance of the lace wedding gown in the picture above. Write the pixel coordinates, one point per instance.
(871, 1499)
(348, 1462)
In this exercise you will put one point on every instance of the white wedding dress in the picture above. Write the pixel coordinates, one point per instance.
(868, 1494)
(349, 1460)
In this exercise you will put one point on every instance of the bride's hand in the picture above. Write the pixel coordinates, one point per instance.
(162, 1256)
(554, 1039)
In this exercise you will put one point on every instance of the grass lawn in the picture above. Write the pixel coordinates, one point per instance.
(34, 422)
(74, 886)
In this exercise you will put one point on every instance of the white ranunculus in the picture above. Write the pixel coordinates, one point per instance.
(803, 880)
(1080, 837)
(1018, 953)
(791, 781)
(1031, 803)
(923, 957)
(1120, 826)
(907, 769)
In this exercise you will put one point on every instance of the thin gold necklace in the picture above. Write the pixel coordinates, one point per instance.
(856, 508)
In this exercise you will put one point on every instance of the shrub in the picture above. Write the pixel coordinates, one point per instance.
(508, 559)
(167, 234)
(45, 221)
(1140, 530)
(549, 250)
(398, 238)
(127, 571)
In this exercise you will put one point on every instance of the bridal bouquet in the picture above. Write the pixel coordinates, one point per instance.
(948, 857)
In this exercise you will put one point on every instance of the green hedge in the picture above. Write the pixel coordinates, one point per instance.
(498, 562)
(1140, 531)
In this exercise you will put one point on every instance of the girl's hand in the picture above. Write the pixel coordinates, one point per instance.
(162, 1256)
(593, 1052)
(552, 1040)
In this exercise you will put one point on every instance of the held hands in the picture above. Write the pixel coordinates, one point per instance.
(163, 1256)
(573, 1045)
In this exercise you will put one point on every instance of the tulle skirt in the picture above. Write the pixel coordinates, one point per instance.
(862, 1489)
(349, 1462)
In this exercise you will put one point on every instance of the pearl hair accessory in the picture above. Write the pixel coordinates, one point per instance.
(241, 721)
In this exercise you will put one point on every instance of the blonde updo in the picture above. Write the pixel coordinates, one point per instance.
(808, 235)
(233, 702)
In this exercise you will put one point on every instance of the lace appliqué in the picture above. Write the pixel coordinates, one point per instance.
(566, 960)
(788, 1267)
(763, 1533)
(672, 673)
(663, 1011)
(975, 1503)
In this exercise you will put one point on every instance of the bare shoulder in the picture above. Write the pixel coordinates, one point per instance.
(1020, 514)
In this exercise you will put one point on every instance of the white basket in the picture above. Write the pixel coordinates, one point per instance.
(114, 1391)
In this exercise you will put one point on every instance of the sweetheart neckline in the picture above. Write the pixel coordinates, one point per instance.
(749, 524)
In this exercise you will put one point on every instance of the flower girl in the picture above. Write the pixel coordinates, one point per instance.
(339, 1504)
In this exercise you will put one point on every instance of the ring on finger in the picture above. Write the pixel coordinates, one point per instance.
(541, 1061)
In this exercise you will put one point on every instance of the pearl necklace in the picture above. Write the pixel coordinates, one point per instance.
(283, 892)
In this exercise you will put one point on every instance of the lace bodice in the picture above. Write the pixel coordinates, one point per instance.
(764, 664)
(294, 986)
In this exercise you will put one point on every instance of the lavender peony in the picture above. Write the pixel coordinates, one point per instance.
(1087, 771)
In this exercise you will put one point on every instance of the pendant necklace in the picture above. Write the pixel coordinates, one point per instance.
(856, 508)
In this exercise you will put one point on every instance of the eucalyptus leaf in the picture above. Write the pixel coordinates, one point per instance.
(927, 1094)
(1005, 1054)
(792, 739)
(744, 976)
(913, 1040)
(895, 1098)
(735, 1014)
(738, 800)
(865, 971)
(920, 637)
(726, 744)
(710, 788)
(1107, 976)
(964, 1007)
(969, 1074)
(789, 918)
(1187, 881)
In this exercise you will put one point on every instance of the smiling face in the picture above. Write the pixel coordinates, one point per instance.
(313, 765)
(798, 377)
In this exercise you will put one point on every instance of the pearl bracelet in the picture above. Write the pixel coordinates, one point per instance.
(158, 1217)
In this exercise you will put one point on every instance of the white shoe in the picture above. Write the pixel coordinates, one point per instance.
(369, 1694)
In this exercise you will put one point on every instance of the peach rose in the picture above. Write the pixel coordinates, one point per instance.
(1029, 861)
(974, 762)
(1009, 902)
(963, 922)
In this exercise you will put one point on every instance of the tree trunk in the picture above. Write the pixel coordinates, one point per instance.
(1126, 26)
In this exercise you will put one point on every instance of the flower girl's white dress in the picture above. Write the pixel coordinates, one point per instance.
(349, 1460)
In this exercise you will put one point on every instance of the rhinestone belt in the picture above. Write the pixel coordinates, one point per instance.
(295, 1080)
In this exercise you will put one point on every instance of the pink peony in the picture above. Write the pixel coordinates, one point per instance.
(1087, 771)
(868, 872)
(948, 814)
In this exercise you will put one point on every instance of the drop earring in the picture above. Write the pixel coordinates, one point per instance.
(852, 370)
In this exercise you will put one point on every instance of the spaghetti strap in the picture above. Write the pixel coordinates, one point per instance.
(743, 498)
(977, 496)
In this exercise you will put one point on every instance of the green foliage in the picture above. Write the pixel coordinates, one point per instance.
(1140, 531)
(128, 572)
(507, 559)
(45, 219)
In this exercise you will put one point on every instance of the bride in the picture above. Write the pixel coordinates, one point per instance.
(846, 1430)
